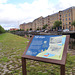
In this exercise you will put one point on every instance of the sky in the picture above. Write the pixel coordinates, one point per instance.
(15, 12)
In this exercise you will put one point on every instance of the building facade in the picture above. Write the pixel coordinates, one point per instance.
(13, 29)
(28, 26)
(67, 16)
(38, 23)
(22, 26)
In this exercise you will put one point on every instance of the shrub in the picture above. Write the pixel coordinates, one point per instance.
(1, 29)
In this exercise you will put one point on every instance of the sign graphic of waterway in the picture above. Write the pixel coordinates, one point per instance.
(46, 55)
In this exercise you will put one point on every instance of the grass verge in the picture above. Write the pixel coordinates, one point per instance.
(11, 50)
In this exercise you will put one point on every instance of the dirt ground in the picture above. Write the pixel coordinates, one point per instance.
(71, 51)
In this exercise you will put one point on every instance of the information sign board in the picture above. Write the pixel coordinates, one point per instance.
(48, 48)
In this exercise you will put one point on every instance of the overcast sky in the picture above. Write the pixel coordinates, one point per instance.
(15, 12)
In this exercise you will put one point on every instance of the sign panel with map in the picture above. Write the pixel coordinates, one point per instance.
(47, 48)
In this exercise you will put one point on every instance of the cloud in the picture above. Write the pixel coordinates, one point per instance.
(64, 4)
(3, 1)
(11, 14)
(67, 3)
(37, 8)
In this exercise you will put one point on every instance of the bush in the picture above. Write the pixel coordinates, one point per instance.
(44, 26)
(1, 29)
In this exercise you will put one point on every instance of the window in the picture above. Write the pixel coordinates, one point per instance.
(69, 18)
(48, 21)
(69, 22)
(66, 11)
(66, 15)
(66, 19)
(63, 19)
(69, 14)
(66, 26)
(66, 23)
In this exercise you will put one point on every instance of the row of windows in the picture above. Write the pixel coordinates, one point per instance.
(67, 15)
(67, 23)
(66, 19)
(66, 11)
(57, 18)
(53, 18)
(67, 27)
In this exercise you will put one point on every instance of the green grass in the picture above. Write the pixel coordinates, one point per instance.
(4, 59)
(11, 49)
(12, 44)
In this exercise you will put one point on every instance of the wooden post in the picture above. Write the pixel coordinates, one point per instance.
(24, 66)
(62, 68)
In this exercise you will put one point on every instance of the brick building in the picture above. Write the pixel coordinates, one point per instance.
(67, 16)
(13, 29)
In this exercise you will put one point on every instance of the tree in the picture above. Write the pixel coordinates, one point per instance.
(73, 24)
(44, 26)
(27, 30)
(57, 24)
(1, 29)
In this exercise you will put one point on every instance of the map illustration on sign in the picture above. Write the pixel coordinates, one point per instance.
(47, 46)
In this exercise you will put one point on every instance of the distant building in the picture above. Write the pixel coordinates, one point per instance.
(67, 16)
(13, 29)
(28, 26)
(22, 26)
(38, 23)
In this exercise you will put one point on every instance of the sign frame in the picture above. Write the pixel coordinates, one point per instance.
(61, 62)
